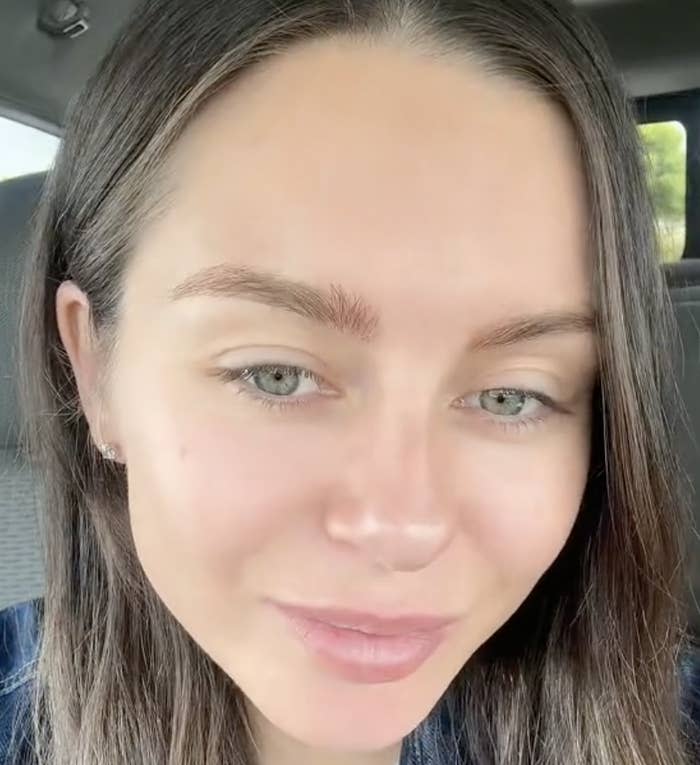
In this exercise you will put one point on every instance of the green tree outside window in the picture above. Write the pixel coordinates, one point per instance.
(665, 144)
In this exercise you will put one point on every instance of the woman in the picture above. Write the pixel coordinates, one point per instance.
(358, 452)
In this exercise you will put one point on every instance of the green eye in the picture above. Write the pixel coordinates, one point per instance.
(274, 385)
(276, 381)
(504, 403)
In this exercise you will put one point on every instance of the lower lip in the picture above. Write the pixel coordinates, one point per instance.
(362, 658)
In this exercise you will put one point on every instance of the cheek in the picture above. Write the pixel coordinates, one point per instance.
(217, 491)
(521, 504)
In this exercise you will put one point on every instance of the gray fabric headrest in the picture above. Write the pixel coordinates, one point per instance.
(687, 304)
(684, 273)
(18, 200)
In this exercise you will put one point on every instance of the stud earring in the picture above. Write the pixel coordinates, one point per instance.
(108, 451)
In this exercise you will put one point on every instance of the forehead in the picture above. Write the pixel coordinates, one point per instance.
(390, 172)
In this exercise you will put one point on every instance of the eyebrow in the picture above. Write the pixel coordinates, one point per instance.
(347, 313)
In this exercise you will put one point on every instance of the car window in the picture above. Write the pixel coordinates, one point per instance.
(24, 150)
(666, 154)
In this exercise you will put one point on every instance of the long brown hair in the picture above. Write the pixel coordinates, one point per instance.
(586, 670)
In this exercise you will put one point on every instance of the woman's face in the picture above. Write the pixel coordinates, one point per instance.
(428, 446)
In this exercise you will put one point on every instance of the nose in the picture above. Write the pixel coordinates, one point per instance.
(389, 505)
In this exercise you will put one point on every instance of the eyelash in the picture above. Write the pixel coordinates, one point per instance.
(285, 403)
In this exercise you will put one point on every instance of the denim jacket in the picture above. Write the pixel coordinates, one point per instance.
(18, 649)
(431, 743)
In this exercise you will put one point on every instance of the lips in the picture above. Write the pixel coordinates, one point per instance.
(368, 623)
(365, 648)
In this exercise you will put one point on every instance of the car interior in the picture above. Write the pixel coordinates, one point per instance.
(47, 51)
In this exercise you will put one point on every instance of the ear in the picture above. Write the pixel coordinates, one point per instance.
(73, 316)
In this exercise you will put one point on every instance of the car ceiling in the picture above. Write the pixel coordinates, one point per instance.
(656, 44)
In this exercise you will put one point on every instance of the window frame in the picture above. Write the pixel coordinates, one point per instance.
(683, 107)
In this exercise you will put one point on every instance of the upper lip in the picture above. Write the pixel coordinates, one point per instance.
(372, 624)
